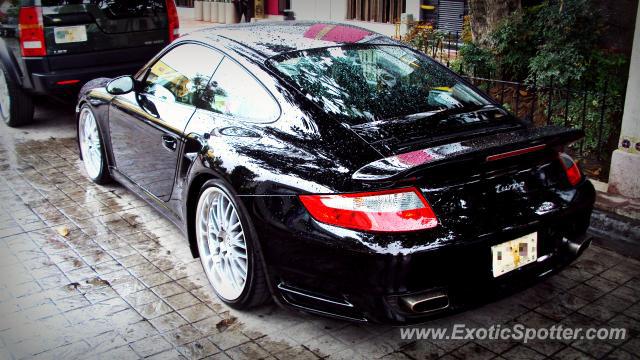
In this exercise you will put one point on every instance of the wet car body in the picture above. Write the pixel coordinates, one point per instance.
(467, 177)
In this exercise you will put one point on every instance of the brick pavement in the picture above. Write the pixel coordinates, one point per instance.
(122, 284)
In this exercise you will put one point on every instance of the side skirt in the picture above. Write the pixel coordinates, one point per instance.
(156, 203)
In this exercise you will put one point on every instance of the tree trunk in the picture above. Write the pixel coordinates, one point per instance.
(487, 14)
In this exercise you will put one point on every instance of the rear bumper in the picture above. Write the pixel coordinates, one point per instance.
(56, 83)
(63, 75)
(368, 277)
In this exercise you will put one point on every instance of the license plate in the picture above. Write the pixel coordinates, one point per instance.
(514, 254)
(70, 34)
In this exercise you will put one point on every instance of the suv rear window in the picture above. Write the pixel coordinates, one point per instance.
(117, 9)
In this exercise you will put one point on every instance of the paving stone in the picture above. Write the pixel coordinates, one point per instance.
(247, 351)
(122, 285)
(228, 339)
(151, 346)
(198, 312)
(595, 348)
(168, 322)
(183, 335)
(473, 351)
(522, 352)
(620, 354)
(570, 353)
(198, 349)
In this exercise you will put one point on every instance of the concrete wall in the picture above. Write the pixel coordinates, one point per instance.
(624, 178)
(336, 10)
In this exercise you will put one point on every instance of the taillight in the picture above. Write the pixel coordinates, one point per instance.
(174, 20)
(31, 31)
(571, 169)
(381, 211)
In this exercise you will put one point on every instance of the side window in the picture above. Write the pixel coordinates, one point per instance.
(181, 75)
(234, 92)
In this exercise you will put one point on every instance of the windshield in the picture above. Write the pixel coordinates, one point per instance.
(370, 83)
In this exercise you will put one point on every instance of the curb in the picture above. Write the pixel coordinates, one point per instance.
(617, 233)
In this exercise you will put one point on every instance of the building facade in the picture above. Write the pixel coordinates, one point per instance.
(376, 15)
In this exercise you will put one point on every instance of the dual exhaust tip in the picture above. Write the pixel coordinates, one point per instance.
(425, 303)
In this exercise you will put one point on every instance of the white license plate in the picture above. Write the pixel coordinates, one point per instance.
(514, 254)
(70, 34)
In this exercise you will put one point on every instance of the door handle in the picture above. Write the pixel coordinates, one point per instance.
(169, 142)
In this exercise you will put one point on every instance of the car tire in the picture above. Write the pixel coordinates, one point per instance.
(254, 291)
(92, 147)
(16, 106)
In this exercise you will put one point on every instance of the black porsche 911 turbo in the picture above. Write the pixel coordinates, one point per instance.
(337, 171)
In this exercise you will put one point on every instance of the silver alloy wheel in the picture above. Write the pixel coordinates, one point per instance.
(90, 145)
(222, 244)
(5, 101)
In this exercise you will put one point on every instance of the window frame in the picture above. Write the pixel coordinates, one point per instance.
(244, 119)
(142, 74)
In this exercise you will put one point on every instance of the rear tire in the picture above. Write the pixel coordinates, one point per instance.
(16, 106)
(228, 248)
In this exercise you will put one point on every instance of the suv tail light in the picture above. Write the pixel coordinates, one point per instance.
(174, 20)
(31, 31)
(381, 211)
(571, 169)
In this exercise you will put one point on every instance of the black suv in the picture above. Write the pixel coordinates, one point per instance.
(52, 47)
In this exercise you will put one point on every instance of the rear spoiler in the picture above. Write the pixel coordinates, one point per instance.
(489, 148)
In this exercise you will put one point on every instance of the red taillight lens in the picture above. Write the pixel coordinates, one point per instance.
(571, 169)
(174, 20)
(31, 31)
(381, 211)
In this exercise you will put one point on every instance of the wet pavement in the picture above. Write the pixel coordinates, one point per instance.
(91, 271)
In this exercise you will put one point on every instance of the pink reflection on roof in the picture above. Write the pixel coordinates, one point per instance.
(416, 157)
(336, 33)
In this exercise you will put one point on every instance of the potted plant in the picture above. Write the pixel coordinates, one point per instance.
(230, 12)
(197, 10)
(206, 10)
(214, 11)
(221, 11)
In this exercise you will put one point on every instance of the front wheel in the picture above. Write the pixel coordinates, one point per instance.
(91, 147)
(228, 248)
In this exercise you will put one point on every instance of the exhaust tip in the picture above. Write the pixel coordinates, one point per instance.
(578, 246)
(426, 302)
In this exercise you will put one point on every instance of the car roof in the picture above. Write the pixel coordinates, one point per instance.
(268, 39)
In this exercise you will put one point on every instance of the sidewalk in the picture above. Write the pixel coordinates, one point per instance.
(617, 219)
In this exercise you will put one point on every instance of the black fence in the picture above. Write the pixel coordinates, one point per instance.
(597, 111)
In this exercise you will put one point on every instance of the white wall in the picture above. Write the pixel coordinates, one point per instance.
(625, 162)
(413, 7)
(336, 10)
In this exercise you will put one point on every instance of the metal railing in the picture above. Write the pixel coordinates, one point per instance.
(597, 111)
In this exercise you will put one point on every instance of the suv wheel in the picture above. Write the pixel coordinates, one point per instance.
(16, 106)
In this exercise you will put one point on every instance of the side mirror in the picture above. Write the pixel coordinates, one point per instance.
(121, 85)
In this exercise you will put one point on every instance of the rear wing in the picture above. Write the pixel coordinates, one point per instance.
(485, 148)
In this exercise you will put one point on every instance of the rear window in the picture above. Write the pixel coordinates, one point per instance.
(117, 9)
(378, 82)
